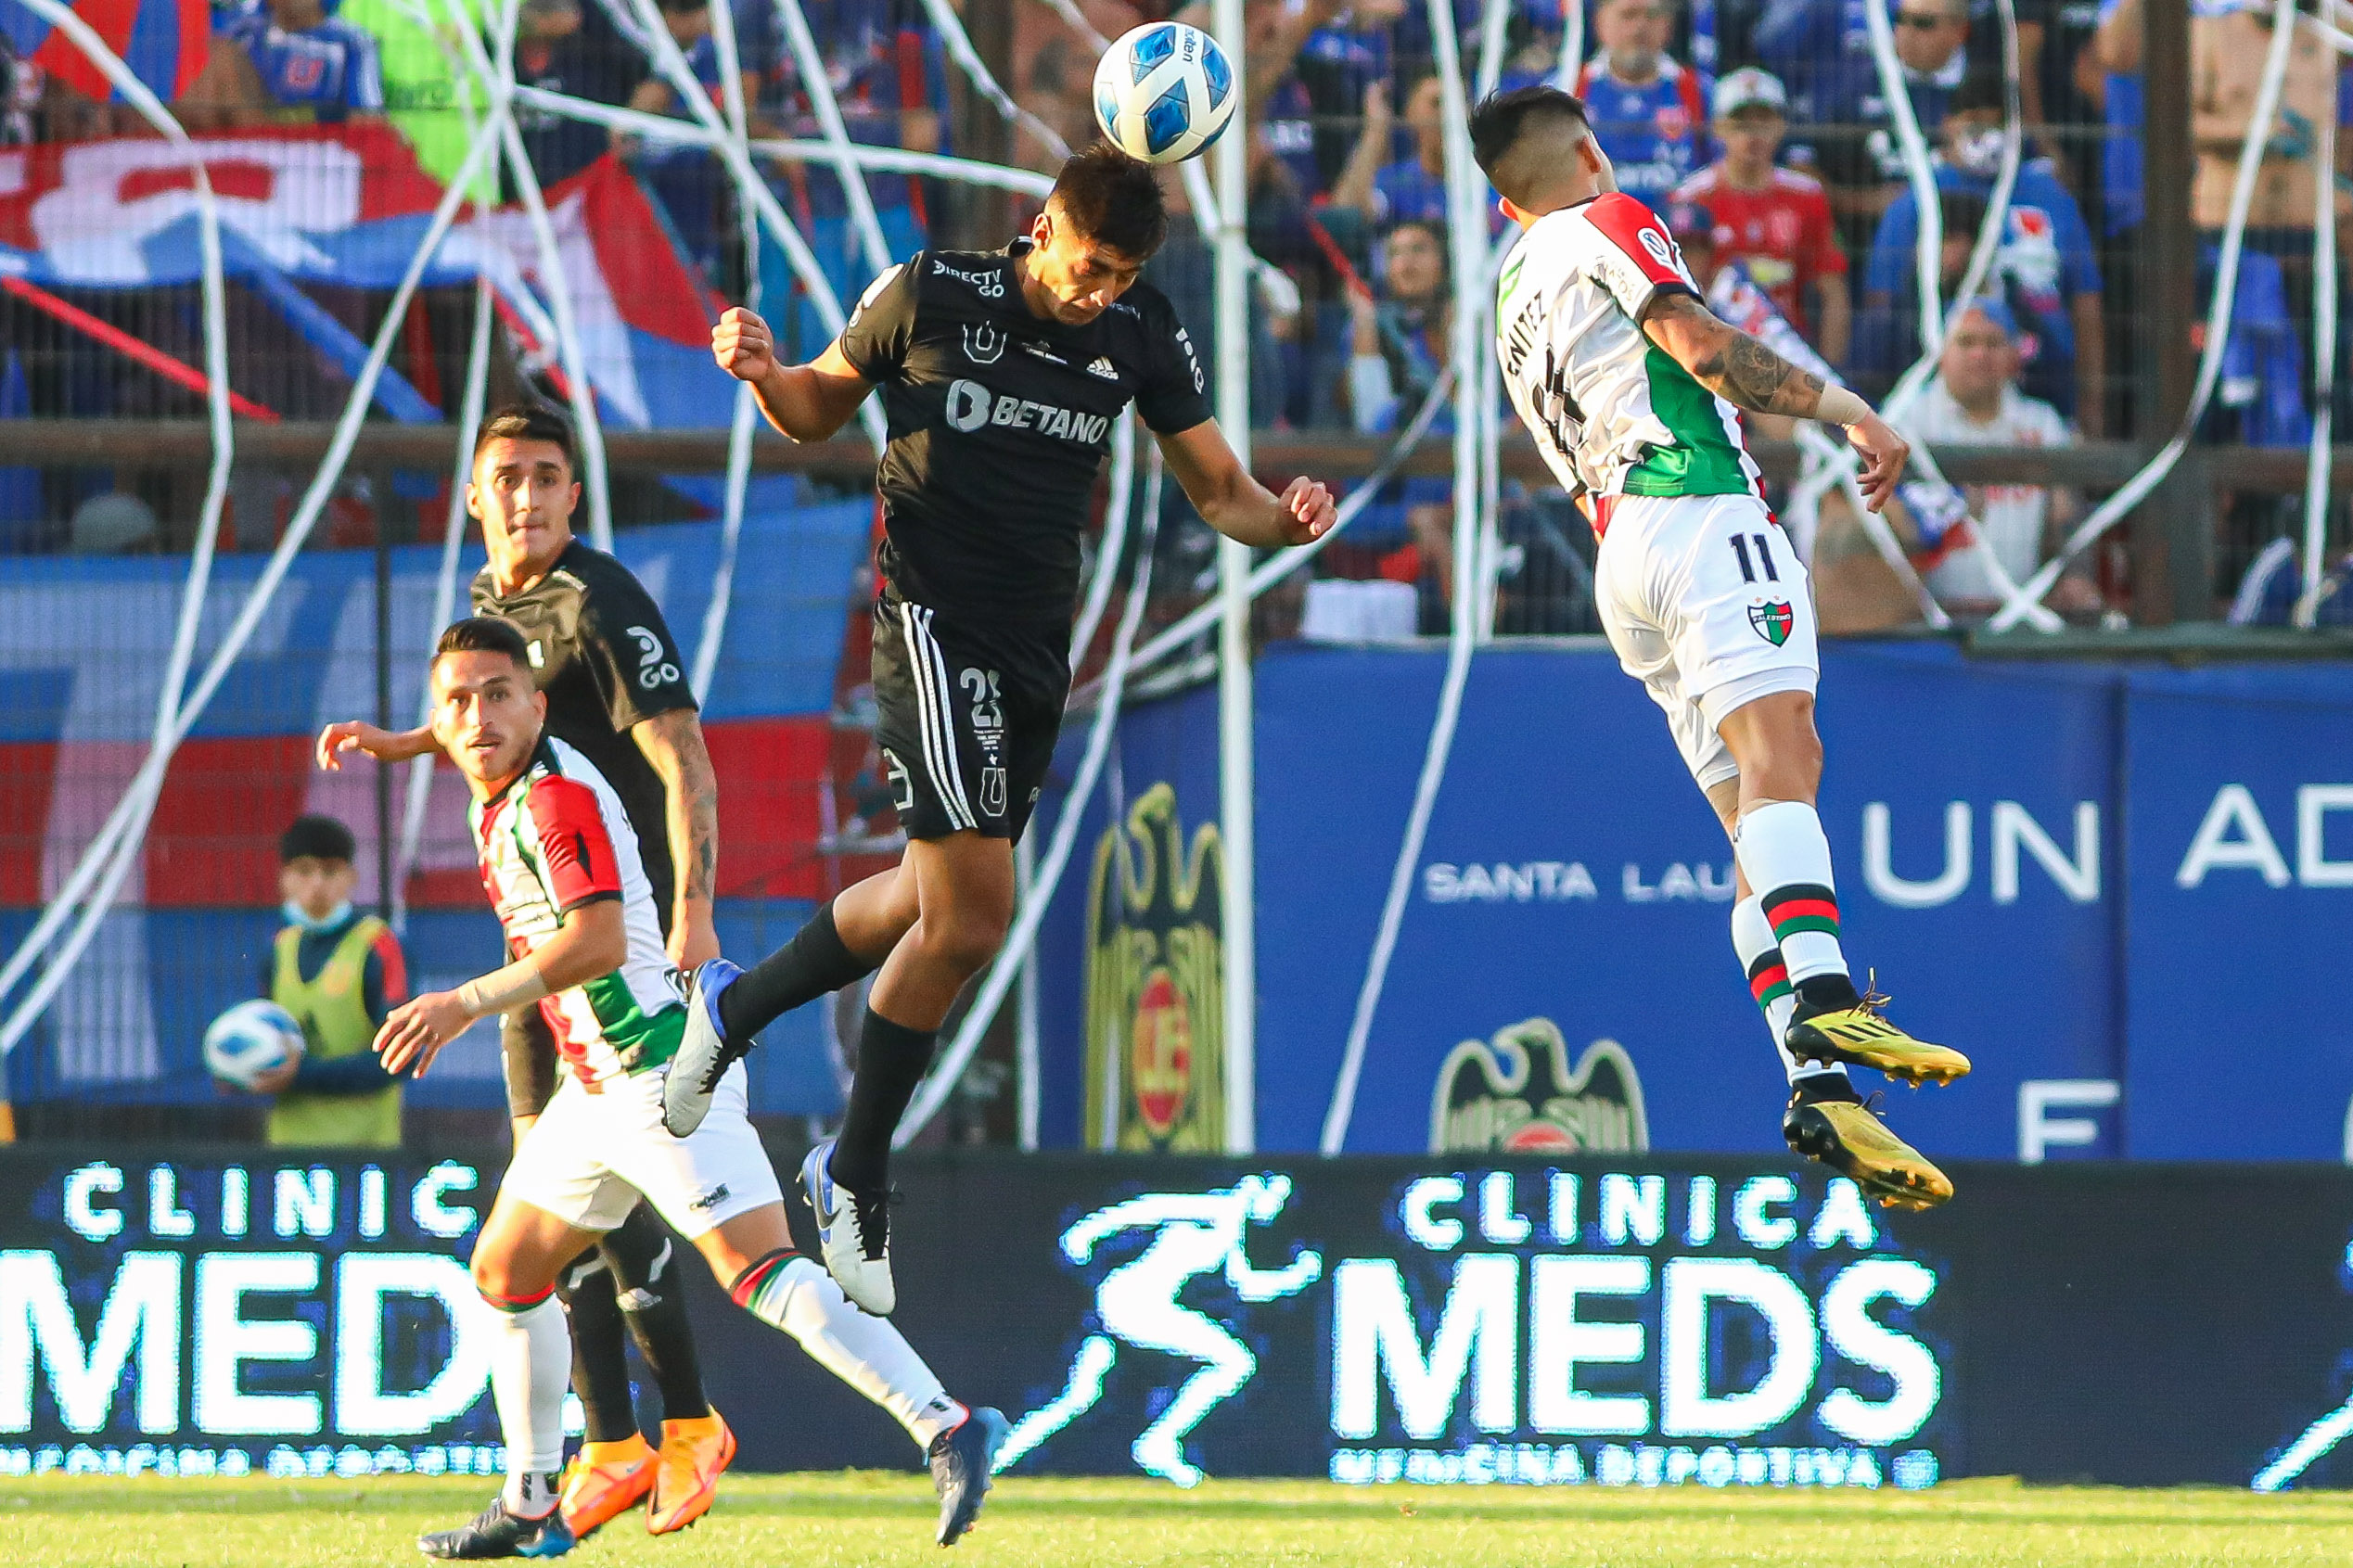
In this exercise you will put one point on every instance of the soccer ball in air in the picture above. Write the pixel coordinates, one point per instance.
(1163, 92)
(250, 1040)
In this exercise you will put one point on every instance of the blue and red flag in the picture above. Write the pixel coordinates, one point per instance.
(163, 41)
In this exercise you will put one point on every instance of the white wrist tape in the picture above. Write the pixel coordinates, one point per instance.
(514, 985)
(1839, 406)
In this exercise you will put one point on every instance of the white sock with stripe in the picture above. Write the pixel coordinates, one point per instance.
(530, 1366)
(1786, 858)
(1768, 983)
(789, 1292)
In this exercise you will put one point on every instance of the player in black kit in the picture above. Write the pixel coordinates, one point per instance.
(617, 690)
(1001, 375)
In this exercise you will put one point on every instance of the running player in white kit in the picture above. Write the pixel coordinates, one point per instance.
(1633, 391)
(560, 864)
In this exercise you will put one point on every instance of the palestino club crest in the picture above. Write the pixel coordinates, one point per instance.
(1515, 1094)
(1155, 983)
(1771, 620)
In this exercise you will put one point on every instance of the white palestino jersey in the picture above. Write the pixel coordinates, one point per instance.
(1612, 412)
(557, 839)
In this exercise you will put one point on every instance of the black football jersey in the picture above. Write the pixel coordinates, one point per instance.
(605, 657)
(998, 420)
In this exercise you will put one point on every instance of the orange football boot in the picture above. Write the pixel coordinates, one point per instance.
(605, 1480)
(694, 1453)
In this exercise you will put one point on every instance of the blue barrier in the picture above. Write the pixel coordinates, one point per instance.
(2123, 891)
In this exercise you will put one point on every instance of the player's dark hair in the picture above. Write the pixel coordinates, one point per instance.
(484, 634)
(1113, 199)
(1502, 119)
(321, 838)
(529, 422)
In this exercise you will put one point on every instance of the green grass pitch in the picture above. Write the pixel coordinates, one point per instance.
(818, 1521)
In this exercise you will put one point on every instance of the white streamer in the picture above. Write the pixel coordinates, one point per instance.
(1572, 57)
(945, 23)
(1015, 955)
(1284, 562)
(2316, 469)
(745, 420)
(1468, 240)
(2217, 334)
(1115, 537)
(1076, 21)
(1494, 27)
(821, 98)
(420, 784)
(138, 804)
(657, 128)
(673, 66)
(216, 397)
(497, 79)
(1935, 325)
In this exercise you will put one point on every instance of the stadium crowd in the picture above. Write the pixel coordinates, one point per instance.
(1759, 127)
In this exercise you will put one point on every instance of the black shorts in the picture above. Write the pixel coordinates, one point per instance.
(967, 719)
(527, 1049)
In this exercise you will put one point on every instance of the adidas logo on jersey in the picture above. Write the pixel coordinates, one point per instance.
(1103, 367)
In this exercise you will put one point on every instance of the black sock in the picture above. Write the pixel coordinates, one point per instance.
(812, 965)
(1825, 993)
(600, 1355)
(1812, 1088)
(892, 1060)
(645, 1261)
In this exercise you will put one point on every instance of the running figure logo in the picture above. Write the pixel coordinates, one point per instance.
(1195, 1234)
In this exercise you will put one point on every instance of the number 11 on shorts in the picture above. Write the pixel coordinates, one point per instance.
(1764, 557)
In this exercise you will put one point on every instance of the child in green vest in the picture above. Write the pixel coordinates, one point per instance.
(338, 971)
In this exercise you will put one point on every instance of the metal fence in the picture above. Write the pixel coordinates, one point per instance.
(103, 454)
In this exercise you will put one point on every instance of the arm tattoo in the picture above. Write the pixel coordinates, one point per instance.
(1746, 371)
(1743, 371)
(674, 743)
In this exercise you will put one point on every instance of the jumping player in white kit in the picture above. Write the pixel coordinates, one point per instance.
(1633, 391)
(560, 864)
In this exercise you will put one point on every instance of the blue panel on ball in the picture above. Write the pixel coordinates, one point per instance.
(1151, 49)
(1106, 110)
(1167, 121)
(1219, 74)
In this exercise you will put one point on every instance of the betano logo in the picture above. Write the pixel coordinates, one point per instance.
(971, 406)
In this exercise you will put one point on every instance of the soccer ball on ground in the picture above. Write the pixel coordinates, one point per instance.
(250, 1040)
(1163, 92)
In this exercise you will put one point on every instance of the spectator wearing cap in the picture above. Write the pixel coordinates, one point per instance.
(1975, 401)
(1648, 110)
(2045, 261)
(288, 61)
(339, 973)
(1775, 221)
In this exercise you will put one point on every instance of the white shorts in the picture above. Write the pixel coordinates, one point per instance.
(592, 1154)
(1708, 607)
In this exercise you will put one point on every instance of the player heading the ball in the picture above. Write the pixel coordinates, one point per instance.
(1001, 372)
(1633, 391)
